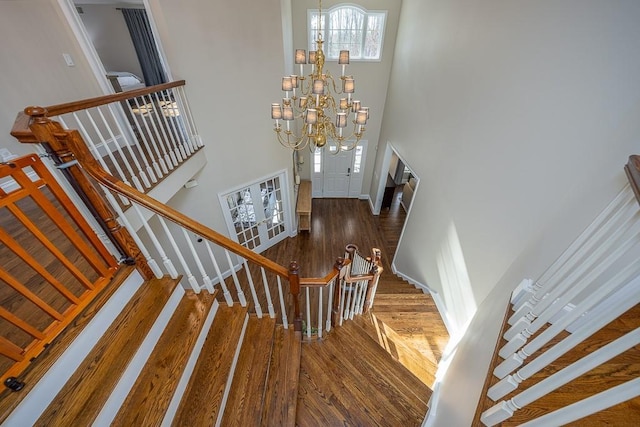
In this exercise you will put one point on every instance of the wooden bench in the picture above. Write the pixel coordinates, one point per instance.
(303, 206)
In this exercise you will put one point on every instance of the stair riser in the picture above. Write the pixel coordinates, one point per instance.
(48, 387)
(122, 389)
(188, 369)
(233, 370)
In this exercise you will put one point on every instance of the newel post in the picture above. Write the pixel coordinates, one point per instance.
(337, 287)
(294, 288)
(54, 138)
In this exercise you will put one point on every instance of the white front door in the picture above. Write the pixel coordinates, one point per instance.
(256, 213)
(338, 174)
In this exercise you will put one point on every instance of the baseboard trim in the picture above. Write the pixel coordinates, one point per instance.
(437, 298)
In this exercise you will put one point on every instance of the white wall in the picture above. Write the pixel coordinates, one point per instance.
(109, 34)
(33, 36)
(518, 117)
(231, 56)
(371, 77)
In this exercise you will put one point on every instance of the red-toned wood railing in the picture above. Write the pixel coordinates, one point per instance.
(53, 264)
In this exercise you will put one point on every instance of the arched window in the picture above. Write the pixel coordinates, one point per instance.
(348, 27)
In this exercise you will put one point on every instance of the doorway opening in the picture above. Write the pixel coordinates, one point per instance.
(258, 214)
(120, 43)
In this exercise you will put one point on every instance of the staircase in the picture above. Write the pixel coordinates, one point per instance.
(173, 357)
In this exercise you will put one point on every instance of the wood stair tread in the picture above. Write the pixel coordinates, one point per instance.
(151, 395)
(244, 404)
(281, 394)
(345, 378)
(82, 397)
(203, 399)
(421, 366)
(41, 365)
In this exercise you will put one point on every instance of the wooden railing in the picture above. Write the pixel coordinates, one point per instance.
(138, 136)
(345, 292)
(554, 319)
(236, 269)
(53, 264)
(128, 140)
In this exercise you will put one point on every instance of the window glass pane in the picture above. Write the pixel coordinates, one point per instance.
(317, 161)
(357, 160)
(373, 39)
(348, 28)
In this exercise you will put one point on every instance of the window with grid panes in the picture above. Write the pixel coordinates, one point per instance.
(348, 27)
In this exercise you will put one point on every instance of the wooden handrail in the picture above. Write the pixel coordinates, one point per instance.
(91, 166)
(83, 104)
(317, 282)
(632, 168)
(22, 133)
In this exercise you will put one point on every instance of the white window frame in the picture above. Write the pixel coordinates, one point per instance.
(312, 34)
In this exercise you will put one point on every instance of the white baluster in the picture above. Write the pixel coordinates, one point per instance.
(225, 291)
(329, 304)
(205, 277)
(142, 175)
(153, 170)
(349, 288)
(125, 161)
(105, 144)
(158, 161)
(283, 307)
(615, 305)
(343, 297)
(252, 288)
(272, 312)
(241, 297)
(176, 157)
(623, 198)
(320, 302)
(504, 410)
(90, 142)
(308, 313)
(193, 283)
(589, 244)
(185, 148)
(572, 286)
(191, 125)
(153, 265)
(168, 264)
(153, 114)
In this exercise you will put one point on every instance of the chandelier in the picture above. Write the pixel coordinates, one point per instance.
(311, 115)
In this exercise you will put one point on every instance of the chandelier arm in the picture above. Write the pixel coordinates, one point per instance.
(333, 83)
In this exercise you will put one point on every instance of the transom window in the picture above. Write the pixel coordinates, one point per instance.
(348, 27)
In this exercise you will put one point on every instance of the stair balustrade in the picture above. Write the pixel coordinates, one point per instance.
(138, 136)
(594, 283)
(163, 241)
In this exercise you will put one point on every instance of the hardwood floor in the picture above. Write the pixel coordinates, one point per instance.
(404, 322)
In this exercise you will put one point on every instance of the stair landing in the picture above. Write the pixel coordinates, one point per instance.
(348, 379)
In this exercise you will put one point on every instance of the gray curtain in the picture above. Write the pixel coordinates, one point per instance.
(145, 46)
